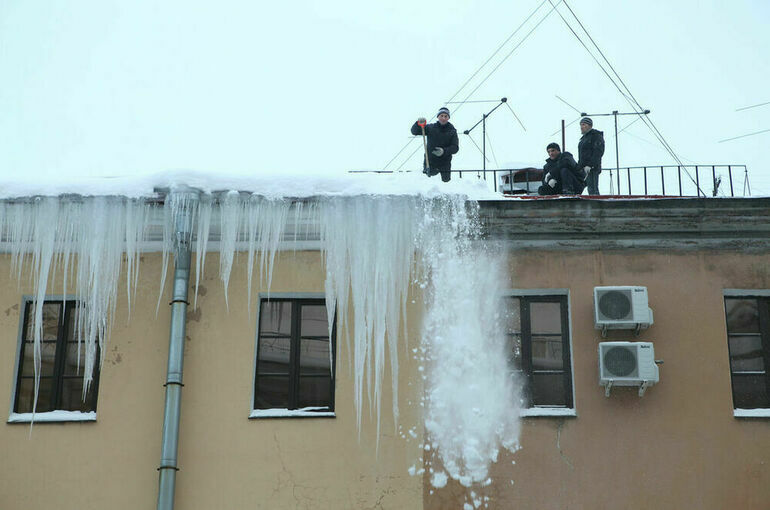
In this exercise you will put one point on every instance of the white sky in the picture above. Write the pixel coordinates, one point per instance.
(107, 88)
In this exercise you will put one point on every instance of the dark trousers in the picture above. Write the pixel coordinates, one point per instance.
(446, 174)
(567, 183)
(570, 183)
(592, 181)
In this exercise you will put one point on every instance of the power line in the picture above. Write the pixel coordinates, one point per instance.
(514, 49)
(517, 117)
(496, 52)
(752, 106)
(630, 98)
(494, 157)
(744, 136)
(568, 125)
(565, 102)
(473, 76)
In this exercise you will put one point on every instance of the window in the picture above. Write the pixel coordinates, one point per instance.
(295, 359)
(748, 342)
(61, 367)
(539, 346)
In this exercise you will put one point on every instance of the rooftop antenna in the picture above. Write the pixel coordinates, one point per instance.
(483, 123)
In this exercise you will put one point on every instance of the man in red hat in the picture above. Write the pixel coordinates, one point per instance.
(442, 142)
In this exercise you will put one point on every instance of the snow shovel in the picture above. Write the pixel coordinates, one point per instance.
(426, 171)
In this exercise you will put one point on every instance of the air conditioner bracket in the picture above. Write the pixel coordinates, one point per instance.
(607, 389)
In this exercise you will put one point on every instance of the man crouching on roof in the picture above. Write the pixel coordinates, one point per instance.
(442, 142)
(560, 173)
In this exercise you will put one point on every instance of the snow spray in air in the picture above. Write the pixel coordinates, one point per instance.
(471, 399)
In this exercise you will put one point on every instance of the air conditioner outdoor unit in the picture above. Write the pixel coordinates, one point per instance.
(627, 364)
(621, 308)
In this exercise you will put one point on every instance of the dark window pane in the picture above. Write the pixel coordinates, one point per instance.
(47, 358)
(512, 315)
(547, 353)
(274, 355)
(513, 350)
(742, 315)
(74, 362)
(750, 392)
(548, 390)
(746, 353)
(314, 321)
(272, 392)
(314, 357)
(72, 316)
(72, 395)
(546, 318)
(314, 391)
(50, 322)
(26, 393)
(275, 318)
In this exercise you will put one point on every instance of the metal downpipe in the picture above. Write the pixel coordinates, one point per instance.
(183, 203)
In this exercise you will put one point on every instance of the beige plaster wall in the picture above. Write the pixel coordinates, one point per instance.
(225, 459)
(677, 447)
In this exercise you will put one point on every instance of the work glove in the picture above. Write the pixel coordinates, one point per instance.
(586, 169)
(547, 177)
(438, 152)
(552, 183)
(421, 121)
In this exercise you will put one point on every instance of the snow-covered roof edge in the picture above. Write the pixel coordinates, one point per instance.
(296, 185)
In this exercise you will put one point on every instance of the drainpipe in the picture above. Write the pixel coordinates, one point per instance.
(183, 202)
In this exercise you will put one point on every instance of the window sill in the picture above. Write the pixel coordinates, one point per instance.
(52, 417)
(305, 412)
(751, 413)
(548, 411)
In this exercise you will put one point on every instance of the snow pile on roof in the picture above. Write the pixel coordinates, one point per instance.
(296, 185)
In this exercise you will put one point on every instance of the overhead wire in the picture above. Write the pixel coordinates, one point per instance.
(499, 63)
(494, 158)
(627, 94)
(565, 102)
(496, 52)
(752, 106)
(516, 116)
(566, 126)
(514, 49)
(650, 124)
(472, 77)
(744, 136)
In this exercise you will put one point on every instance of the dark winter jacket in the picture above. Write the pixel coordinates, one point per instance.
(554, 166)
(591, 150)
(439, 136)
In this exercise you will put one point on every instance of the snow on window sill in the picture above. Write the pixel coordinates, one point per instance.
(52, 416)
(305, 412)
(547, 411)
(751, 413)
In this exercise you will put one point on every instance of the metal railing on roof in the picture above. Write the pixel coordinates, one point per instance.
(652, 180)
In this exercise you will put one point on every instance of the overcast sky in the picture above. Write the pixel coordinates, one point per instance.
(116, 88)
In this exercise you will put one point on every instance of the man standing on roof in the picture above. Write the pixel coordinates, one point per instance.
(442, 142)
(590, 152)
(560, 173)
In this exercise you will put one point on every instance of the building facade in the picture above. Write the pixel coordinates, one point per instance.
(699, 438)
